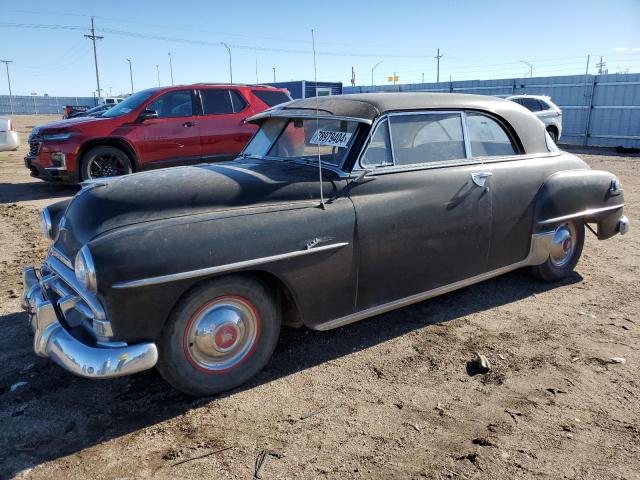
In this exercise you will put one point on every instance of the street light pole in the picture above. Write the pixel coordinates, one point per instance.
(274, 74)
(374, 67)
(6, 64)
(171, 68)
(158, 70)
(130, 74)
(230, 68)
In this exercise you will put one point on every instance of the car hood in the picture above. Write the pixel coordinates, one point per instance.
(66, 124)
(102, 206)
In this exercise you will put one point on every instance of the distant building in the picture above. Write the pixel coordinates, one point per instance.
(306, 88)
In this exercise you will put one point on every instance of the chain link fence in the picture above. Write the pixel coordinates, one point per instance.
(39, 105)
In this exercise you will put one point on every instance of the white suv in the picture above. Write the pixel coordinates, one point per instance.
(543, 108)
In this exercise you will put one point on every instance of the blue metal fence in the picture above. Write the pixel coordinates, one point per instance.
(38, 105)
(601, 110)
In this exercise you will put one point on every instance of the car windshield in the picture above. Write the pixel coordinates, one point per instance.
(130, 103)
(303, 139)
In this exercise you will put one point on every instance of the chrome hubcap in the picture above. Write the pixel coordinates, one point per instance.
(563, 244)
(222, 334)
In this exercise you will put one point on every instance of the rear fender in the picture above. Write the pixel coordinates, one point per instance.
(588, 195)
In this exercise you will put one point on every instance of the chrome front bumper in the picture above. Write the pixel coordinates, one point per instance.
(54, 341)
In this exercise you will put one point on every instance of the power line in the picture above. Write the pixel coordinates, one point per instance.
(149, 36)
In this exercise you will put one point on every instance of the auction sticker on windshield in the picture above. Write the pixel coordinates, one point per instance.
(330, 139)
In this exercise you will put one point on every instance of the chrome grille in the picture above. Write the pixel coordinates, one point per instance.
(35, 142)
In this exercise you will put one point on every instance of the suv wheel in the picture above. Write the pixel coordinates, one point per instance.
(100, 162)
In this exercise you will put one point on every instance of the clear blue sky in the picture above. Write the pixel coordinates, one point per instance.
(478, 40)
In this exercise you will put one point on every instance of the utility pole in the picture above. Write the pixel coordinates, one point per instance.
(230, 69)
(6, 64)
(394, 77)
(130, 74)
(171, 68)
(158, 70)
(257, 81)
(374, 67)
(93, 37)
(353, 77)
(274, 74)
(438, 57)
(422, 77)
(601, 66)
(586, 72)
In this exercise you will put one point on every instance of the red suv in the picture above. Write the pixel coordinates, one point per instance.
(153, 128)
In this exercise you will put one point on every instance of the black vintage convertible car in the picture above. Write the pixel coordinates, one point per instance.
(339, 208)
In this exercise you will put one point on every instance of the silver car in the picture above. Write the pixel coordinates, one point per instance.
(9, 138)
(543, 108)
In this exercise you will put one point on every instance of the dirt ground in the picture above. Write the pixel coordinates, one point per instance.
(385, 398)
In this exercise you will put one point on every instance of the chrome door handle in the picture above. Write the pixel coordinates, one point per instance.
(479, 178)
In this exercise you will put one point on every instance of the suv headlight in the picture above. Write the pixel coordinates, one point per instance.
(58, 137)
(85, 270)
(46, 227)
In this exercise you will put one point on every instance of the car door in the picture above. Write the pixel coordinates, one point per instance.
(173, 137)
(422, 220)
(515, 179)
(223, 131)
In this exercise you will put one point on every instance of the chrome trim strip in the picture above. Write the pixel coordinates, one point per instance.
(538, 253)
(145, 282)
(62, 257)
(584, 213)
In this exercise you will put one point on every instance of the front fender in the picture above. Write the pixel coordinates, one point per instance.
(583, 194)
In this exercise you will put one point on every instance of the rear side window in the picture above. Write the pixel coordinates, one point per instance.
(531, 104)
(216, 101)
(427, 138)
(487, 137)
(238, 103)
(271, 98)
(173, 104)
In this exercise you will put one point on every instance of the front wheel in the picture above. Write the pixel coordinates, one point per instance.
(565, 251)
(220, 335)
(100, 162)
(552, 133)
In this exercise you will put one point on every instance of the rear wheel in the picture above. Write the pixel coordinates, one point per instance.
(565, 251)
(221, 334)
(100, 162)
(553, 134)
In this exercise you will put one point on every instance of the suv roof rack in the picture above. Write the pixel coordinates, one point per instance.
(235, 84)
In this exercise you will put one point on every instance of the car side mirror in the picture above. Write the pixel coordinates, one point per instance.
(148, 115)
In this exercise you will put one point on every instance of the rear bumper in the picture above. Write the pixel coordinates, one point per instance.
(54, 341)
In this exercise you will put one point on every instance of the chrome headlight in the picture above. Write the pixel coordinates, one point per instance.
(46, 227)
(85, 270)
